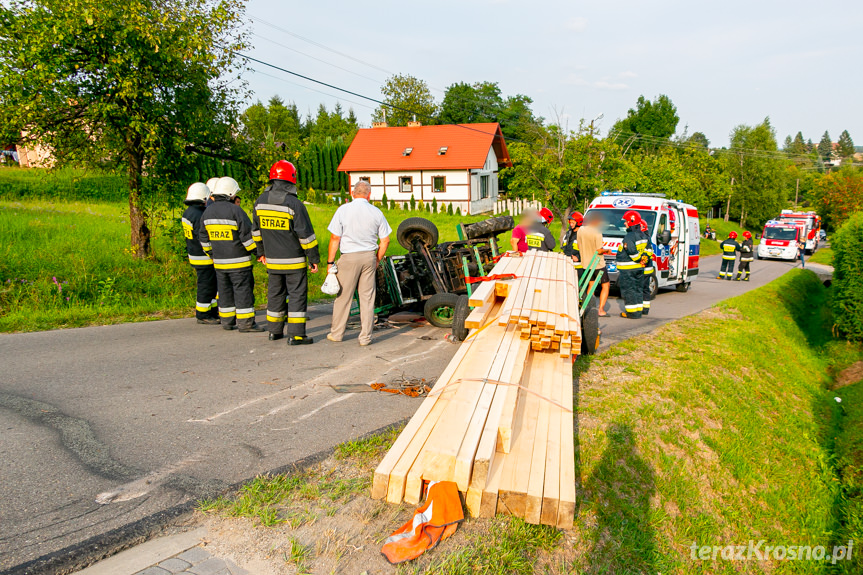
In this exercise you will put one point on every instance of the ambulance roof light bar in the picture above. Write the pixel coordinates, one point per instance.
(639, 194)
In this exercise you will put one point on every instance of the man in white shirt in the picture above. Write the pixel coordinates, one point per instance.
(355, 230)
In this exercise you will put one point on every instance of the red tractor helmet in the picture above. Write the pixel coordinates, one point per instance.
(643, 226)
(546, 215)
(577, 217)
(747, 235)
(732, 235)
(284, 170)
(632, 218)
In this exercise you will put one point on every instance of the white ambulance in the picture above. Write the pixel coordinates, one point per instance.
(780, 240)
(673, 229)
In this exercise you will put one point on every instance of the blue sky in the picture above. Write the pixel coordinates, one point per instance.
(722, 63)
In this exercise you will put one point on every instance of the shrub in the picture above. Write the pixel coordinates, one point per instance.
(384, 201)
(413, 203)
(847, 284)
(449, 209)
(393, 204)
(434, 205)
(458, 211)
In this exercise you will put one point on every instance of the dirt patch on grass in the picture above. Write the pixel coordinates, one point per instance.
(849, 375)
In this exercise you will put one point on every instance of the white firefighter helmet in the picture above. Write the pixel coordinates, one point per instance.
(198, 192)
(227, 187)
(211, 183)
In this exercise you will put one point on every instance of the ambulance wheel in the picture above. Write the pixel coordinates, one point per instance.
(590, 329)
(420, 229)
(439, 309)
(462, 309)
(653, 285)
(683, 287)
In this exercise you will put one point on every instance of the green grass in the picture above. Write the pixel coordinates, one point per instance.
(368, 448)
(849, 461)
(722, 228)
(70, 184)
(67, 264)
(822, 256)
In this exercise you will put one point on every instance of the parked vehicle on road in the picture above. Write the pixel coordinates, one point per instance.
(673, 229)
(822, 235)
(780, 239)
(811, 223)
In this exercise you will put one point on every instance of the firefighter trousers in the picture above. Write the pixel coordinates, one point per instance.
(632, 292)
(727, 269)
(205, 301)
(292, 286)
(743, 269)
(236, 297)
(647, 294)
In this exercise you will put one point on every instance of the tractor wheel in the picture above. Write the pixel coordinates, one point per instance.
(417, 229)
(590, 329)
(489, 228)
(439, 309)
(462, 309)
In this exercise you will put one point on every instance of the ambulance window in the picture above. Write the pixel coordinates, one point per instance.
(663, 223)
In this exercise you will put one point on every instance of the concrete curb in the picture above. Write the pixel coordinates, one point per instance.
(100, 547)
(142, 556)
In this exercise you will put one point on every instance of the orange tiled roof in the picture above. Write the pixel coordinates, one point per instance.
(382, 149)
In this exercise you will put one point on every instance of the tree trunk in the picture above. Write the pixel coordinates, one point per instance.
(140, 232)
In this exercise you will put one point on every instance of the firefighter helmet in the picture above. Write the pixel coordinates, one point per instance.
(632, 218)
(227, 187)
(643, 226)
(198, 192)
(577, 217)
(747, 235)
(211, 183)
(732, 235)
(284, 170)
(546, 215)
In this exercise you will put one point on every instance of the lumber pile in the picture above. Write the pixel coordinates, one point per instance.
(499, 420)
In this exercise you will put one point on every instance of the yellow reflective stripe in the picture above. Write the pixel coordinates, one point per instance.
(227, 314)
(274, 214)
(188, 231)
(233, 266)
(296, 320)
(628, 266)
(275, 319)
(286, 266)
(314, 244)
(245, 315)
(251, 247)
(201, 262)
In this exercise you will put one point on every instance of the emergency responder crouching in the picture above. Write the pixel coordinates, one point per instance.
(631, 267)
(539, 237)
(287, 244)
(569, 245)
(747, 251)
(205, 301)
(729, 247)
(226, 234)
(649, 270)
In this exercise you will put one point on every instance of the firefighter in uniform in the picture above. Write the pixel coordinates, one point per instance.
(205, 302)
(629, 263)
(649, 270)
(226, 234)
(570, 241)
(747, 251)
(539, 237)
(729, 248)
(286, 245)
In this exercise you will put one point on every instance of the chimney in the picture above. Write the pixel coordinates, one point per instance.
(414, 124)
(379, 125)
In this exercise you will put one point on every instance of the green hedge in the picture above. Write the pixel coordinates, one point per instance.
(65, 184)
(847, 244)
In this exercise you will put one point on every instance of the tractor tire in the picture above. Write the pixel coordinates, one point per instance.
(590, 328)
(489, 228)
(439, 309)
(417, 229)
(462, 309)
(683, 287)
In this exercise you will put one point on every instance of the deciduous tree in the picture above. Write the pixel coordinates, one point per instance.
(647, 125)
(404, 98)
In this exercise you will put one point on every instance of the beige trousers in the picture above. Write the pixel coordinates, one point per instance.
(356, 273)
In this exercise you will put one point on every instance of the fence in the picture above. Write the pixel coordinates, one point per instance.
(515, 207)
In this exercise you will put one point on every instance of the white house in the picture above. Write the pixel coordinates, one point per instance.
(455, 164)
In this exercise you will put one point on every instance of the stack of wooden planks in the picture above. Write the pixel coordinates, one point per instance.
(499, 420)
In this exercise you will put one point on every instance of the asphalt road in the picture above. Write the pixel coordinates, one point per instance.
(142, 417)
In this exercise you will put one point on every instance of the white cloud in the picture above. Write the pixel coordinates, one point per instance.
(628, 74)
(577, 24)
(600, 84)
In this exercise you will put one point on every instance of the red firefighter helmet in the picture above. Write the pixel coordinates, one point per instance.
(732, 235)
(577, 217)
(747, 235)
(546, 215)
(284, 170)
(632, 218)
(643, 226)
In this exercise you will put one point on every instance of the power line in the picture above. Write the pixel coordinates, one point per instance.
(337, 98)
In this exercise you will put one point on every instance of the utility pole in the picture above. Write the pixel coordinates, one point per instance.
(796, 193)
(728, 205)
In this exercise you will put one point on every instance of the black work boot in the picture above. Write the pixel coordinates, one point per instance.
(209, 321)
(254, 328)
(300, 340)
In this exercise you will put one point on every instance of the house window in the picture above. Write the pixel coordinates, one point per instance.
(483, 187)
(406, 184)
(439, 184)
(366, 179)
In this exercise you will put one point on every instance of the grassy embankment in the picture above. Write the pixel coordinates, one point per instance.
(722, 228)
(822, 256)
(717, 429)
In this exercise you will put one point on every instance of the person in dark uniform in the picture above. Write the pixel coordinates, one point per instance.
(649, 269)
(729, 248)
(570, 241)
(747, 253)
(226, 234)
(630, 266)
(205, 301)
(539, 237)
(287, 246)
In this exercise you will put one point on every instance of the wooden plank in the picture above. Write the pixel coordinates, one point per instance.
(551, 486)
(566, 509)
(536, 477)
(513, 304)
(535, 294)
(488, 504)
(483, 292)
(509, 459)
(479, 316)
